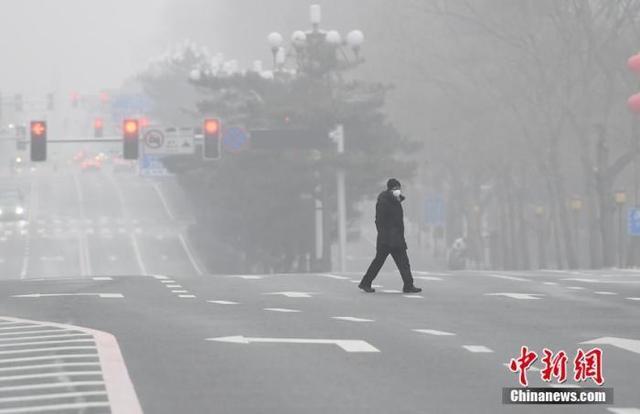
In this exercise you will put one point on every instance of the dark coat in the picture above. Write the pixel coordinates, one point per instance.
(389, 222)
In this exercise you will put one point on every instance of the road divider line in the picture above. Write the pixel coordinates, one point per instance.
(348, 345)
(163, 200)
(190, 255)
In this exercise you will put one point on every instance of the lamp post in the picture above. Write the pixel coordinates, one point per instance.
(620, 198)
(319, 54)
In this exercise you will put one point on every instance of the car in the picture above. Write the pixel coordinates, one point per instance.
(91, 164)
(12, 206)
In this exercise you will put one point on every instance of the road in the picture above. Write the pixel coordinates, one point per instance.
(105, 254)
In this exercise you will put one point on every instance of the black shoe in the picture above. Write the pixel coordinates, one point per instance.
(367, 289)
(411, 289)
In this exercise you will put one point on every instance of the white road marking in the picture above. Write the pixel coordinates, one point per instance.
(292, 294)
(624, 410)
(600, 292)
(633, 298)
(348, 345)
(160, 277)
(55, 357)
(53, 396)
(190, 255)
(414, 296)
(520, 296)
(39, 331)
(575, 287)
(391, 291)
(431, 278)
(45, 366)
(607, 281)
(168, 281)
(434, 332)
(52, 374)
(477, 348)
(136, 250)
(247, 277)
(173, 286)
(62, 341)
(506, 277)
(72, 334)
(632, 345)
(351, 319)
(163, 200)
(179, 291)
(42, 295)
(49, 386)
(223, 302)
(354, 281)
(97, 278)
(329, 275)
(56, 407)
(55, 348)
(551, 283)
(284, 310)
(187, 296)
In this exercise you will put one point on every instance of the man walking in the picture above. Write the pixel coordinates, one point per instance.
(390, 225)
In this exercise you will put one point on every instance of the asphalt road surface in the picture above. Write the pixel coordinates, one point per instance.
(102, 277)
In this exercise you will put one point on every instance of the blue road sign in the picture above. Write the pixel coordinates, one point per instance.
(234, 139)
(434, 210)
(634, 222)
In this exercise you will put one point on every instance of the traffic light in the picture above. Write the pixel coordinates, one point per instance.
(131, 137)
(212, 139)
(98, 128)
(21, 137)
(38, 140)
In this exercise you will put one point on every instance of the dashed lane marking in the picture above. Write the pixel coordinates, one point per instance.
(283, 310)
(633, 298)
(520, 296)
(414, 296)
(601, 292)
(429, 278)
(551, 283)
(44, 295)
(329, 275)
(187, 296)
(98, 278)
(477, 348)
(292, 294)
(391, 291)
(173, 286)
(179, 291)
(223, 302)
(434, 332)
(575, 287)
(247, 277)
(351, 319)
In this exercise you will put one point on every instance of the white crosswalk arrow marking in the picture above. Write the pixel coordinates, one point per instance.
(348, 345)
(632, 345)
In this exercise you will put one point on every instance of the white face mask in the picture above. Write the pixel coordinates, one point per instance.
(397, 193)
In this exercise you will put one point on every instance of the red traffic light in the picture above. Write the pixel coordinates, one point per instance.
(130, 127)
(98, 123)
(38, 129)
(211, 126)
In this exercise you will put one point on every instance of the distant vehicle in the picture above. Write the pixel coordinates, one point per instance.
(91, 164)
(12, 206)
(79, 156)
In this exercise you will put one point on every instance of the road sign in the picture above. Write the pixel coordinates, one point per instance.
(152, 166)
(434, 210)
(168, 141)
(235, 139)
(634, 222)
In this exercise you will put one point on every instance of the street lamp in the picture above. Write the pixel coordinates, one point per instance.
(318, 52)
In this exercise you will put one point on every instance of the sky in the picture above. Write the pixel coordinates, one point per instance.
(76, 45)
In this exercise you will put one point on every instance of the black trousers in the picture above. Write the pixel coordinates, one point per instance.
(401, 259)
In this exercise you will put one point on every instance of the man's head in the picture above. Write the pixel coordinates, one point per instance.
(393, 184)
